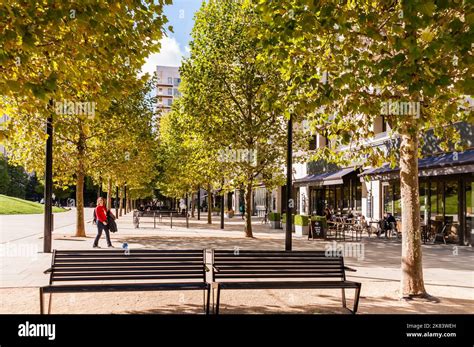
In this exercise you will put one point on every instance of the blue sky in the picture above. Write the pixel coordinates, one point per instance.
(175, 45)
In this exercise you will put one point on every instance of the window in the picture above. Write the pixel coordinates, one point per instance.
(170, 101)
(312, 142)
(177, 81)
(160, 90)
(176, 92)
(392, 199)
(170, 80)
(170, 91)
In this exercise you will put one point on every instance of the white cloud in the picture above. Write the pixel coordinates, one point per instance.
(170, 55)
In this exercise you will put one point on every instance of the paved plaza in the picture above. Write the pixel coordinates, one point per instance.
(448, 270)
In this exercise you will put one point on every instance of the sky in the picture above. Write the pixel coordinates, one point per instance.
(174, 45)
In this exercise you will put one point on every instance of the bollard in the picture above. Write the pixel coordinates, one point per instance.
(171, 215)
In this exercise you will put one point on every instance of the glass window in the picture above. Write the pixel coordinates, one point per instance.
(260, 197)
(170, 80)
(424, 206)
(170, 101)
(312, 142)
(392, 199)
(176, 92)
(358, 196)
(387, 198)
(451, 201)
(397, 200)
(330, 199)
(177, 81)
(469, 233)
(170, 91)
(346, 196)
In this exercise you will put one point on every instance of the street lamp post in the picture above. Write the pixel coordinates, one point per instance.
(199, 203)
(48, 186)
(187, 217)
(222, 211)
(289, 190)
(116, 201)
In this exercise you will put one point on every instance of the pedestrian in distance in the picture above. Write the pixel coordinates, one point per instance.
(100, 213)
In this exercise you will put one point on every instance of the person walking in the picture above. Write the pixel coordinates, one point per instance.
(102, 225)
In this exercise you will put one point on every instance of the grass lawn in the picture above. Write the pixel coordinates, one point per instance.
(11, 205)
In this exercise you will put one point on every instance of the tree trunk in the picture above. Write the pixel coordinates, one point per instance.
(192, 205)
(209, 205)
(120, 202)
(80, 225)
(412, 270)
(109, 193)
(248, 210)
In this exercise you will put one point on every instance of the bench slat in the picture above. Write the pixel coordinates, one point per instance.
(243, 276)
(128, 268)
(120, 278)
(123, 260)
(122, 251)
(130, 264)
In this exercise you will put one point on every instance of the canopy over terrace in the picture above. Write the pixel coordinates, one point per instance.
(444, 164)
(446, 183)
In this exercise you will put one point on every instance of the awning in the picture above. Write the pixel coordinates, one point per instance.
(444, 164)
(337, 177)
(324, 179)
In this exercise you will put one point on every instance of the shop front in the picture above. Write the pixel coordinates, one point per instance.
(446, 183)
(340, 191)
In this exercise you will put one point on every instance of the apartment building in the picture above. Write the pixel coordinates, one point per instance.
(167, 86)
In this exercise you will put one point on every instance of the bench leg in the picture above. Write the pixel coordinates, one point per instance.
(343, 298)
(356, 299)
(41, 301)
(50, 301)
(208, 304)
(204, 300)
(218, 298)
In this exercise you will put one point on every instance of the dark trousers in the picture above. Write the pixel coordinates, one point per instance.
(101, 227)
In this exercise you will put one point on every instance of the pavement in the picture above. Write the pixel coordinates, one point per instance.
(448, 269)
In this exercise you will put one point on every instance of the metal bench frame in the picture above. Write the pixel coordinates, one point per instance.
(168, 269)
(310, 269)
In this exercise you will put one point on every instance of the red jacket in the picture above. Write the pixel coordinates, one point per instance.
(101, 213)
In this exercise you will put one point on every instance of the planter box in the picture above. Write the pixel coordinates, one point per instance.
(301, 230)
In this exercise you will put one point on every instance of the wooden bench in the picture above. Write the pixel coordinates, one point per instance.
(254, 269)
(116, 271)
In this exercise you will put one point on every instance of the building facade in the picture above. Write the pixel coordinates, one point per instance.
(446, 181)
(168, 80)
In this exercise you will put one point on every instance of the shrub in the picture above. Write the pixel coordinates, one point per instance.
(274, 216)
(283, 218)
(301, 220)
